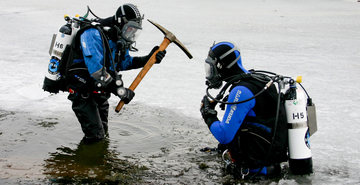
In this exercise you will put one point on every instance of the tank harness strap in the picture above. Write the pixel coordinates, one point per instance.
(72, 91)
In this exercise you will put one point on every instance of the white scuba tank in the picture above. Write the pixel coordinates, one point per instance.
(59, 42)
(300, 159)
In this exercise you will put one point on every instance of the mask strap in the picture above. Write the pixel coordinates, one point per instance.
(233, 62)
(122, 10)
(122, 16)
(227, 53)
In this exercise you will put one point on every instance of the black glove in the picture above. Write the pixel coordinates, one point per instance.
(116, 87)
(159, 56)
(139, 62)
(207, 111)
(125, 94)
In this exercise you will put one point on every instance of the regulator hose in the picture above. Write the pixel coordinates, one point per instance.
(236, 78)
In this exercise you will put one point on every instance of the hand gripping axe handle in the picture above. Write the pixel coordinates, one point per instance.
(169, 37)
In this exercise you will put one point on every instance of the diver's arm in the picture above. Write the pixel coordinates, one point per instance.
(224, 131)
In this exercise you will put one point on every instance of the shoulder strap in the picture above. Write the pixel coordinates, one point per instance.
(83, 26)
(260, 85)
(269, 96)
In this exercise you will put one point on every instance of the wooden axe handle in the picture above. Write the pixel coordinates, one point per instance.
(144, 70)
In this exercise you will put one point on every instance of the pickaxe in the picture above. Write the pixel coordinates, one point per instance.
(169, 37)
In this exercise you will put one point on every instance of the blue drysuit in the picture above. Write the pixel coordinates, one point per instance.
(224, 131)
(92, 49)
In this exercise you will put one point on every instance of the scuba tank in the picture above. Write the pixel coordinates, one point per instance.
(63, 38)
(300, 159)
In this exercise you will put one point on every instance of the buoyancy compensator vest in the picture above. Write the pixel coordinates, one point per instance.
(262, 140)
(77, 77)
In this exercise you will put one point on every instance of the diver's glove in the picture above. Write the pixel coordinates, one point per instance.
(207, 111)
(159, 56)
(125, 94)
(139, 62)
(116, 86)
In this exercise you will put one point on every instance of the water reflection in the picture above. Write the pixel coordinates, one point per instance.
(91, 163)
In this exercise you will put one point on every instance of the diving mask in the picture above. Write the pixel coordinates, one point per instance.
(131, 31)
(213, 78)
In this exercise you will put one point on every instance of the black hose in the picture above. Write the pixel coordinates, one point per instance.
(239, 77)
(219, 101)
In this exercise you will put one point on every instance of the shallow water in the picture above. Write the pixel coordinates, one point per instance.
(162, 151)
(154, 145)
(157, 137)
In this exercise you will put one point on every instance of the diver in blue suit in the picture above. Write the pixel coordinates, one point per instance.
(93, 75)
(252, 132)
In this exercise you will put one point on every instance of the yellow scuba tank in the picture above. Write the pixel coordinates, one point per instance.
(59, 42)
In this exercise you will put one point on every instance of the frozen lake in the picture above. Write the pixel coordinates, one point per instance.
(157, 137)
